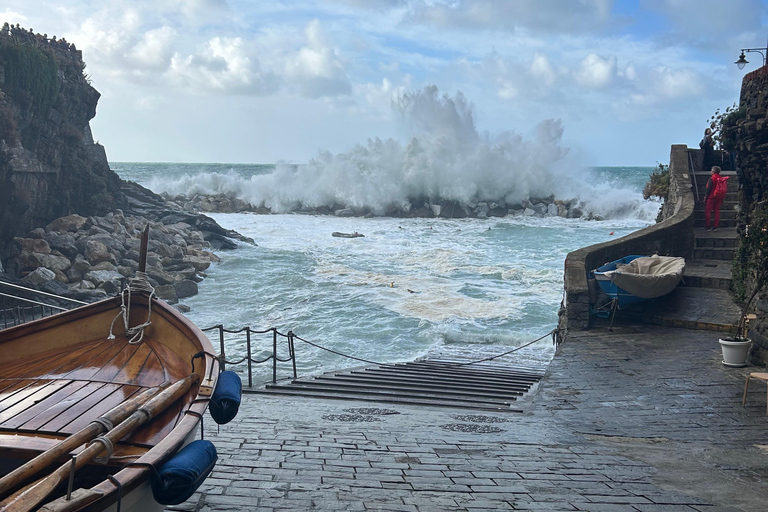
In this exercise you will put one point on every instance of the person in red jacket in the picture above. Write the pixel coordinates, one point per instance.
(717, 186)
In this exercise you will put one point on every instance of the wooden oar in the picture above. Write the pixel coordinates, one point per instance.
(31, 496)
(45, 459)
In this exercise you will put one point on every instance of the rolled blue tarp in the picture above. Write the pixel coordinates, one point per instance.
(180, 477)
(225, 400)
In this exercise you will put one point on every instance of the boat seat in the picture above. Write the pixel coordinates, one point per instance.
(757, 376)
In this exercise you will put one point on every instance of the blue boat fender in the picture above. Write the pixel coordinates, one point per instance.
(180, 477)
(225, 400)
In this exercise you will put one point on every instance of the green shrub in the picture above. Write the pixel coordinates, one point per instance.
(658, 183)
(30, 74)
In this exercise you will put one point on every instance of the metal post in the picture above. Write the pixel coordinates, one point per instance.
(221, 344)
(292, 352)
(248, 346)
(274, 355)
(71, 477)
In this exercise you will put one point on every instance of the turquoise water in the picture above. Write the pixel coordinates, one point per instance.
(458, 288)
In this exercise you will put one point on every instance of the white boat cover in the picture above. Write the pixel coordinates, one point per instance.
(650, 276)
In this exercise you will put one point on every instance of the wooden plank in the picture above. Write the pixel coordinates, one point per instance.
(10, 386)
(26, 387)
(176, 367)
(119, 394)
(43, 406)
(39, 422)
(131, 370)
(93, 365)
(31, 400)
(152, 372)
(112, 367)
(47, 362)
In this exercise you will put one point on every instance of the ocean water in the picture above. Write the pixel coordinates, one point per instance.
(460, 289)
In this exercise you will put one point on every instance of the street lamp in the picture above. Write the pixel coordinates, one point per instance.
(743, 59)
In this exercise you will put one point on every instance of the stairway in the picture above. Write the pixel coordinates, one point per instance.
(703, 300)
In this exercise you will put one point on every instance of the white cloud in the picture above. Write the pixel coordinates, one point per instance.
(596, 72)
(155, 49)
(223, 65)
(12, 17)
(542, 69)
(316, 69)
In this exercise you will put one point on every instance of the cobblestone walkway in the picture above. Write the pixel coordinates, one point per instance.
(643, 419)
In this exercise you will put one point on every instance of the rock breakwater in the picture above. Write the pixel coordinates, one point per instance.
(89, 258)
(419, 207)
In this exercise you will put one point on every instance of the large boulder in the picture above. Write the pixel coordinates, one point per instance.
(70, 223)
(37, 245)
(39, 276)
(185, 288)
(62, 242)
(105, 279)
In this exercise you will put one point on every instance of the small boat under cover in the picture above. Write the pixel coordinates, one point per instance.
(635, 278)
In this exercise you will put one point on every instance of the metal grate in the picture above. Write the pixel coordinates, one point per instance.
(486, 386)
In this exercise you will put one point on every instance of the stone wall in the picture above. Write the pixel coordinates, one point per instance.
(747, 133)
(673, 236)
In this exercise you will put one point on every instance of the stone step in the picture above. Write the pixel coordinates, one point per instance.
(724, 215)
(701, 273)
(724, 223)
(687, 307)
(719, 239)
(714, 253)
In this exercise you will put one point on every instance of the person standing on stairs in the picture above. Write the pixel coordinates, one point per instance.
(717, 186)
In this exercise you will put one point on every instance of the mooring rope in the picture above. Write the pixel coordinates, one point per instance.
(136, 333)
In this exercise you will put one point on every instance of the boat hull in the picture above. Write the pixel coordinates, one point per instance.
(62, 372)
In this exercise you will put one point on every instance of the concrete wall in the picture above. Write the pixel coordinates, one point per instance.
(671, 237)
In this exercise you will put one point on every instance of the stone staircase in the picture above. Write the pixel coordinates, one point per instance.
(703, 300)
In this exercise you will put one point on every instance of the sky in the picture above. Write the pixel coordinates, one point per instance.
(242, 81)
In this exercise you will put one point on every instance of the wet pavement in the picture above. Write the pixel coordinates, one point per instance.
(641, 419)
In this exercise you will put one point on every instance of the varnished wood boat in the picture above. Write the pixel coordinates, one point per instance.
(60, 373)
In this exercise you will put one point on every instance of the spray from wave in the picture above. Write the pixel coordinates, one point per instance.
(447, 160)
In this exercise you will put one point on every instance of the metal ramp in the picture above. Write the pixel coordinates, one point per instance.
(491, 387)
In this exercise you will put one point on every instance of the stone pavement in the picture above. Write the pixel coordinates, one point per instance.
(641, 419)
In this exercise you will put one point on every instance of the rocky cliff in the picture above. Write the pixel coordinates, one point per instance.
(49, 164)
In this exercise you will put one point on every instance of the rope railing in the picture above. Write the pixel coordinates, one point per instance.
(290, 337)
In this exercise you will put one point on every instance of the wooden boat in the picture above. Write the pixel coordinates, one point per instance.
(635, 278)
(61, 373)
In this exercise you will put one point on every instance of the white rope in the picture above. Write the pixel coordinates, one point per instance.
(136, 333)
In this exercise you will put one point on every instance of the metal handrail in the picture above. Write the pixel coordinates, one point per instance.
(692, 168)
(38, 292)
(17, 310)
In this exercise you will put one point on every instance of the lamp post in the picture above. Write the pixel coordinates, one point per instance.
(743, 59)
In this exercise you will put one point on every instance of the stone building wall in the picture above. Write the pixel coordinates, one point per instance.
(746, 133)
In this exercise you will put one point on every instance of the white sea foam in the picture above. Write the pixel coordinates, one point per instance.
(446, 160)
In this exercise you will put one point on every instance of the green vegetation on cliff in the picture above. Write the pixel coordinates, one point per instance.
(30, 75)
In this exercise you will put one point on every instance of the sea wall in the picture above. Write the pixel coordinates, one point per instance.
(673, 236)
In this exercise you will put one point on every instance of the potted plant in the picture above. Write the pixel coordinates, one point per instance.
(750, 265)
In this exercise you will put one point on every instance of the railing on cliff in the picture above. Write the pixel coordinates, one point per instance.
(19, 304)
(673, 236)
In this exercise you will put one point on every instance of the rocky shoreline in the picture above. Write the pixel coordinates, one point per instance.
(91, 258)
(417, 208)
